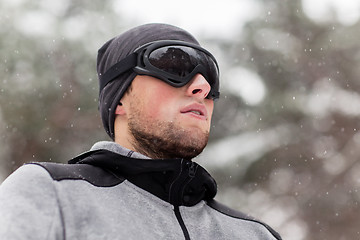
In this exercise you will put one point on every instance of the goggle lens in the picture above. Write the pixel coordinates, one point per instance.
(181, 61)
(175, 62)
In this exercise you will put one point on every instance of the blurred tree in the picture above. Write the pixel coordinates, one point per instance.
(307, 175)
(49, 87)
(287, 152)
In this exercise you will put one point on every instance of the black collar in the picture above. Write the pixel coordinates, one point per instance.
(177, 181)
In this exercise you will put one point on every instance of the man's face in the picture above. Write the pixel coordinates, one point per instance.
(168, 122)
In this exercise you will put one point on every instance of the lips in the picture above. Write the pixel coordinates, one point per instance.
(196, 110)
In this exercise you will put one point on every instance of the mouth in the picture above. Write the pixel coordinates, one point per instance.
(196, 110)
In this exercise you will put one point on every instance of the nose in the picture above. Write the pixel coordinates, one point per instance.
(198, 87)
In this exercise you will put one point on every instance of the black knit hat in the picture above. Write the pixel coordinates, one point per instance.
(117, 49)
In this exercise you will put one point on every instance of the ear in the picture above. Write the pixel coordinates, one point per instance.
(120, 110)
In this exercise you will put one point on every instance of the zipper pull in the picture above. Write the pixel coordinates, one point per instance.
(192, 168)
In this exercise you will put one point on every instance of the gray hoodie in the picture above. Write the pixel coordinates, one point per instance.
(113, 193)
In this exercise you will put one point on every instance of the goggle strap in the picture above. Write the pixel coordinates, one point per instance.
(124, 65)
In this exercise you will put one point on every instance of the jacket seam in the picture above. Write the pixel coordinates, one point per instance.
(268, 228)
(82, 179)
(57, 206)
(61, 214)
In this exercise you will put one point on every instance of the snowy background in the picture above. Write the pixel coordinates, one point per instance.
(285, 142)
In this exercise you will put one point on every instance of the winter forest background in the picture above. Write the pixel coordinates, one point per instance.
(285, 142)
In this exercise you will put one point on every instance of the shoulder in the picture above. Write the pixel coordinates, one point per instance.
(239, 215)
(28, 201)
(27, 175)
(27, 182)
(83, 172)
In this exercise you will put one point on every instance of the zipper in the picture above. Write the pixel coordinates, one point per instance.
(181, 222)
(187, 172)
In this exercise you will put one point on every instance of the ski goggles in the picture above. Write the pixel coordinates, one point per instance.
(174, 62)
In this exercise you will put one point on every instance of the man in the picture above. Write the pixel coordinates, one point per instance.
(157, 91)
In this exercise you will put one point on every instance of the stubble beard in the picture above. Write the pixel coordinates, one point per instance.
(157, 139)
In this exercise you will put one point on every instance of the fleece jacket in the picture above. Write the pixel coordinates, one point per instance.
(113, 193)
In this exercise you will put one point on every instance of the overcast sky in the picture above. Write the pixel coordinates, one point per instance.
(220, 19)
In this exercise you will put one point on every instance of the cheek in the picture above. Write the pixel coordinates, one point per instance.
(159, 103)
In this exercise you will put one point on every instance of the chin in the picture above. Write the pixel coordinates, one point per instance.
(193, 144)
